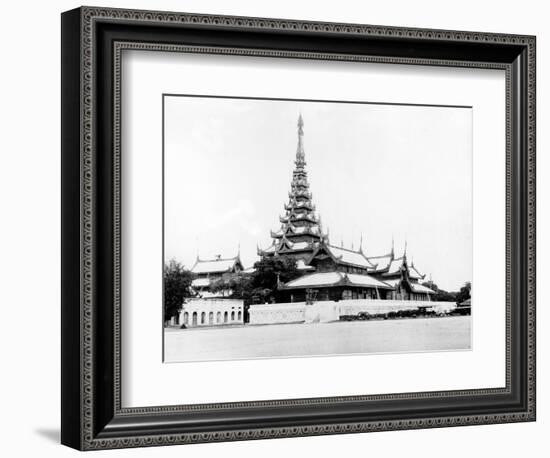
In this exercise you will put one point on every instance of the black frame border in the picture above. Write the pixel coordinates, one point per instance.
(92, 40)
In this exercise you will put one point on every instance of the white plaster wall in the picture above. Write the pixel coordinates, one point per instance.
(214, 306)
(322, 312)
(277, 313)
(376, 306)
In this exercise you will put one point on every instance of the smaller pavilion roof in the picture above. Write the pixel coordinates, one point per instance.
(213, 266)
(393, 282)
(346, 256)
(414, 273)
(381, 262)
(395, 266)
(418, 288)
(321, 279)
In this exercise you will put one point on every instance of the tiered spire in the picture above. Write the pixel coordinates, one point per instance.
(300, 230)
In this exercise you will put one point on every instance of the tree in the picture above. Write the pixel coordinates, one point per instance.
(177, 286)
(441, 294)
(239, 286)
(450, 296)
(269, 271)
(464, 293)
(261, 285)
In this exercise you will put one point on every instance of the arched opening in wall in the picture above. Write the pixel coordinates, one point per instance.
(194, 318)
(225, 317)
(203, 317)
(239, 315)
(211, 318)
(232, 316)
(219, 317)
(185, 318)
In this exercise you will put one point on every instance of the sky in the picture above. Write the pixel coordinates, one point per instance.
(376, 171)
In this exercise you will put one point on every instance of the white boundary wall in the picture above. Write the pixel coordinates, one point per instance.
(325, 311)
(212, 312)
(379, 306)
(277, 313)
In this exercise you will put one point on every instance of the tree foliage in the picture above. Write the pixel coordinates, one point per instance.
(464, 293)
(450, 296)
(259, 286)
(177, 286)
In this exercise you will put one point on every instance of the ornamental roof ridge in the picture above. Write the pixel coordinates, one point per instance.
(380, 256)
(218, 259)
(345, 249)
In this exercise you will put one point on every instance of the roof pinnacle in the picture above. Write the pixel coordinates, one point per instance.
(300, 155)
(198, 248)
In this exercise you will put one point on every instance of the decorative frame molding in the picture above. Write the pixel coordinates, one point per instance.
(93, 40)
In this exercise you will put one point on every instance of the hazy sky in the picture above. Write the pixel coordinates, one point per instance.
(376, 170)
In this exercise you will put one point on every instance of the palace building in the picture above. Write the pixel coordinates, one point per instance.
(329, 272)
(209, 271)
(209, 308)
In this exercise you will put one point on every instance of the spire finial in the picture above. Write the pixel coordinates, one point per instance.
(300, 155)
(392, 246)
(361, 243)
(405, 250)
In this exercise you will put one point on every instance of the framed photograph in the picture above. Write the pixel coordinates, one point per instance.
(276, 228)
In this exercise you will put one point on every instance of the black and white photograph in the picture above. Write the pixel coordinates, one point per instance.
(256, 229)
(300, 228)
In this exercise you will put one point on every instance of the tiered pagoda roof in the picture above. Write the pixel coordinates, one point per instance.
(300, 232)
(322, 264)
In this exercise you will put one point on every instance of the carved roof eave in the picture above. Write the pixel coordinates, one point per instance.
(291, 236)
(344, 281)
(295, 250)
(295, 204)
(341, 282)
(294, 217)
(294, 194)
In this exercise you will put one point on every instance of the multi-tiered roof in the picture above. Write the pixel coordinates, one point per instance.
(300, 231)
(322, 264)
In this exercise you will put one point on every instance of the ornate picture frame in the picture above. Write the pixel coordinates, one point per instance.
(93, 416)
